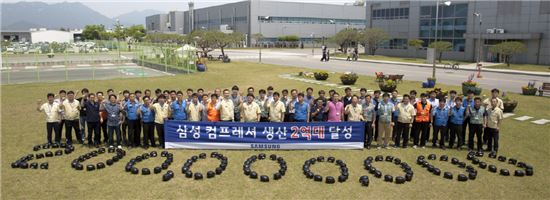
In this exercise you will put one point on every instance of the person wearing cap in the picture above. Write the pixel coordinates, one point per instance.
(226, 107)
(494, 119)
(301, 109)
(162, 111)
(212, 109)
(354, 111)
(250, 110)
(422, 121)
(457, 119)
(148, 122)
(440, 117)
(477, 117)
(237, 102)
(385, 122)
(276, 109)
(194, 109)
(405, 116)
(130, 108)
(335, 109)
(71, 108)
(52, 111)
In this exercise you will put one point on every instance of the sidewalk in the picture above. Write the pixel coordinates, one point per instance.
(470, 67)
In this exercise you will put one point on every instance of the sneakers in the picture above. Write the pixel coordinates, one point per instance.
(111, 146)
(378, 148)
(120, 147)
(423, 147)
(414, 147)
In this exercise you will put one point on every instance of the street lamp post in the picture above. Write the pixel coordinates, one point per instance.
(312, 44)
(447, 3)
(478, 60)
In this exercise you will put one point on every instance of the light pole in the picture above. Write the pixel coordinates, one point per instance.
(312, 44)
(447, 3)
(260, 37)
(118, 39)
(478, 60)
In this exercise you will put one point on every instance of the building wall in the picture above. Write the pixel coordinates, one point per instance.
(236, 15)
(156, 23)
(523, 18)
(303, 19)
(51, 36)
(17, 36)
(176, 20)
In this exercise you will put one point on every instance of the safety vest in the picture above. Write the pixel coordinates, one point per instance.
(422, 115)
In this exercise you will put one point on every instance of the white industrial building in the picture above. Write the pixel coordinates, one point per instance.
(51, 36)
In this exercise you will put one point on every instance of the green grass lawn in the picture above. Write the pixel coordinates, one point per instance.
(23, 127)
(523, 67)
(399, 59)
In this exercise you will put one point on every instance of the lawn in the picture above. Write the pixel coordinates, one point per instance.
(399, 59)
(522, 67)
(22, 128)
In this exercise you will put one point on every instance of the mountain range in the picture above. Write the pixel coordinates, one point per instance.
(67, 15)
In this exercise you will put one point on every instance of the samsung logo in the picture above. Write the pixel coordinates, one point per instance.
(265, 146)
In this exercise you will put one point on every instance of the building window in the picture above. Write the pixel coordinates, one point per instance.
(394, 44)
(390, 13)
(451, 26)
(311, 20)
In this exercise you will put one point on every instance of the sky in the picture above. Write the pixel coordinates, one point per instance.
(113, 8)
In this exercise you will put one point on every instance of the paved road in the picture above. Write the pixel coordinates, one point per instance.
(304, 58)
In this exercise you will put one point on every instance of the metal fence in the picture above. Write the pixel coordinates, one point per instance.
(118, 59)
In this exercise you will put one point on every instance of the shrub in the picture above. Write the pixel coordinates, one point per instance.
(349, 78)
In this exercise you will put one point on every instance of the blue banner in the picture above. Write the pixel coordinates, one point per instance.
(264, 135)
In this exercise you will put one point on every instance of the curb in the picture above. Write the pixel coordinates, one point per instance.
(463, 69)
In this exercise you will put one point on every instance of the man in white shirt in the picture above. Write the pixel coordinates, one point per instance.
(71, 109)
(53, 113)
(433, 101)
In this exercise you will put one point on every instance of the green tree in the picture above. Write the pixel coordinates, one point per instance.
(223, 40)
(164, 38)
(416, 44)
(94, 32)
(440, 47)
(372, 38)
(136, 33)
(204, 39)
(507, 49)
(258, 37)
(119, 32)
(345, 38)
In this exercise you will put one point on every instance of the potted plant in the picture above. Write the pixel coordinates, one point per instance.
(321, 76)
(529, 89)
(429, 84)
(387, 86)
(379, 76)
(349, 78)
(470, 85)
(509, 104)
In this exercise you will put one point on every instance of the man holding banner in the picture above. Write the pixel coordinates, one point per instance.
(250, 110)
(276, 109)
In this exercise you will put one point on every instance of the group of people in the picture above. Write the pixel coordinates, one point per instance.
(387, 117)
